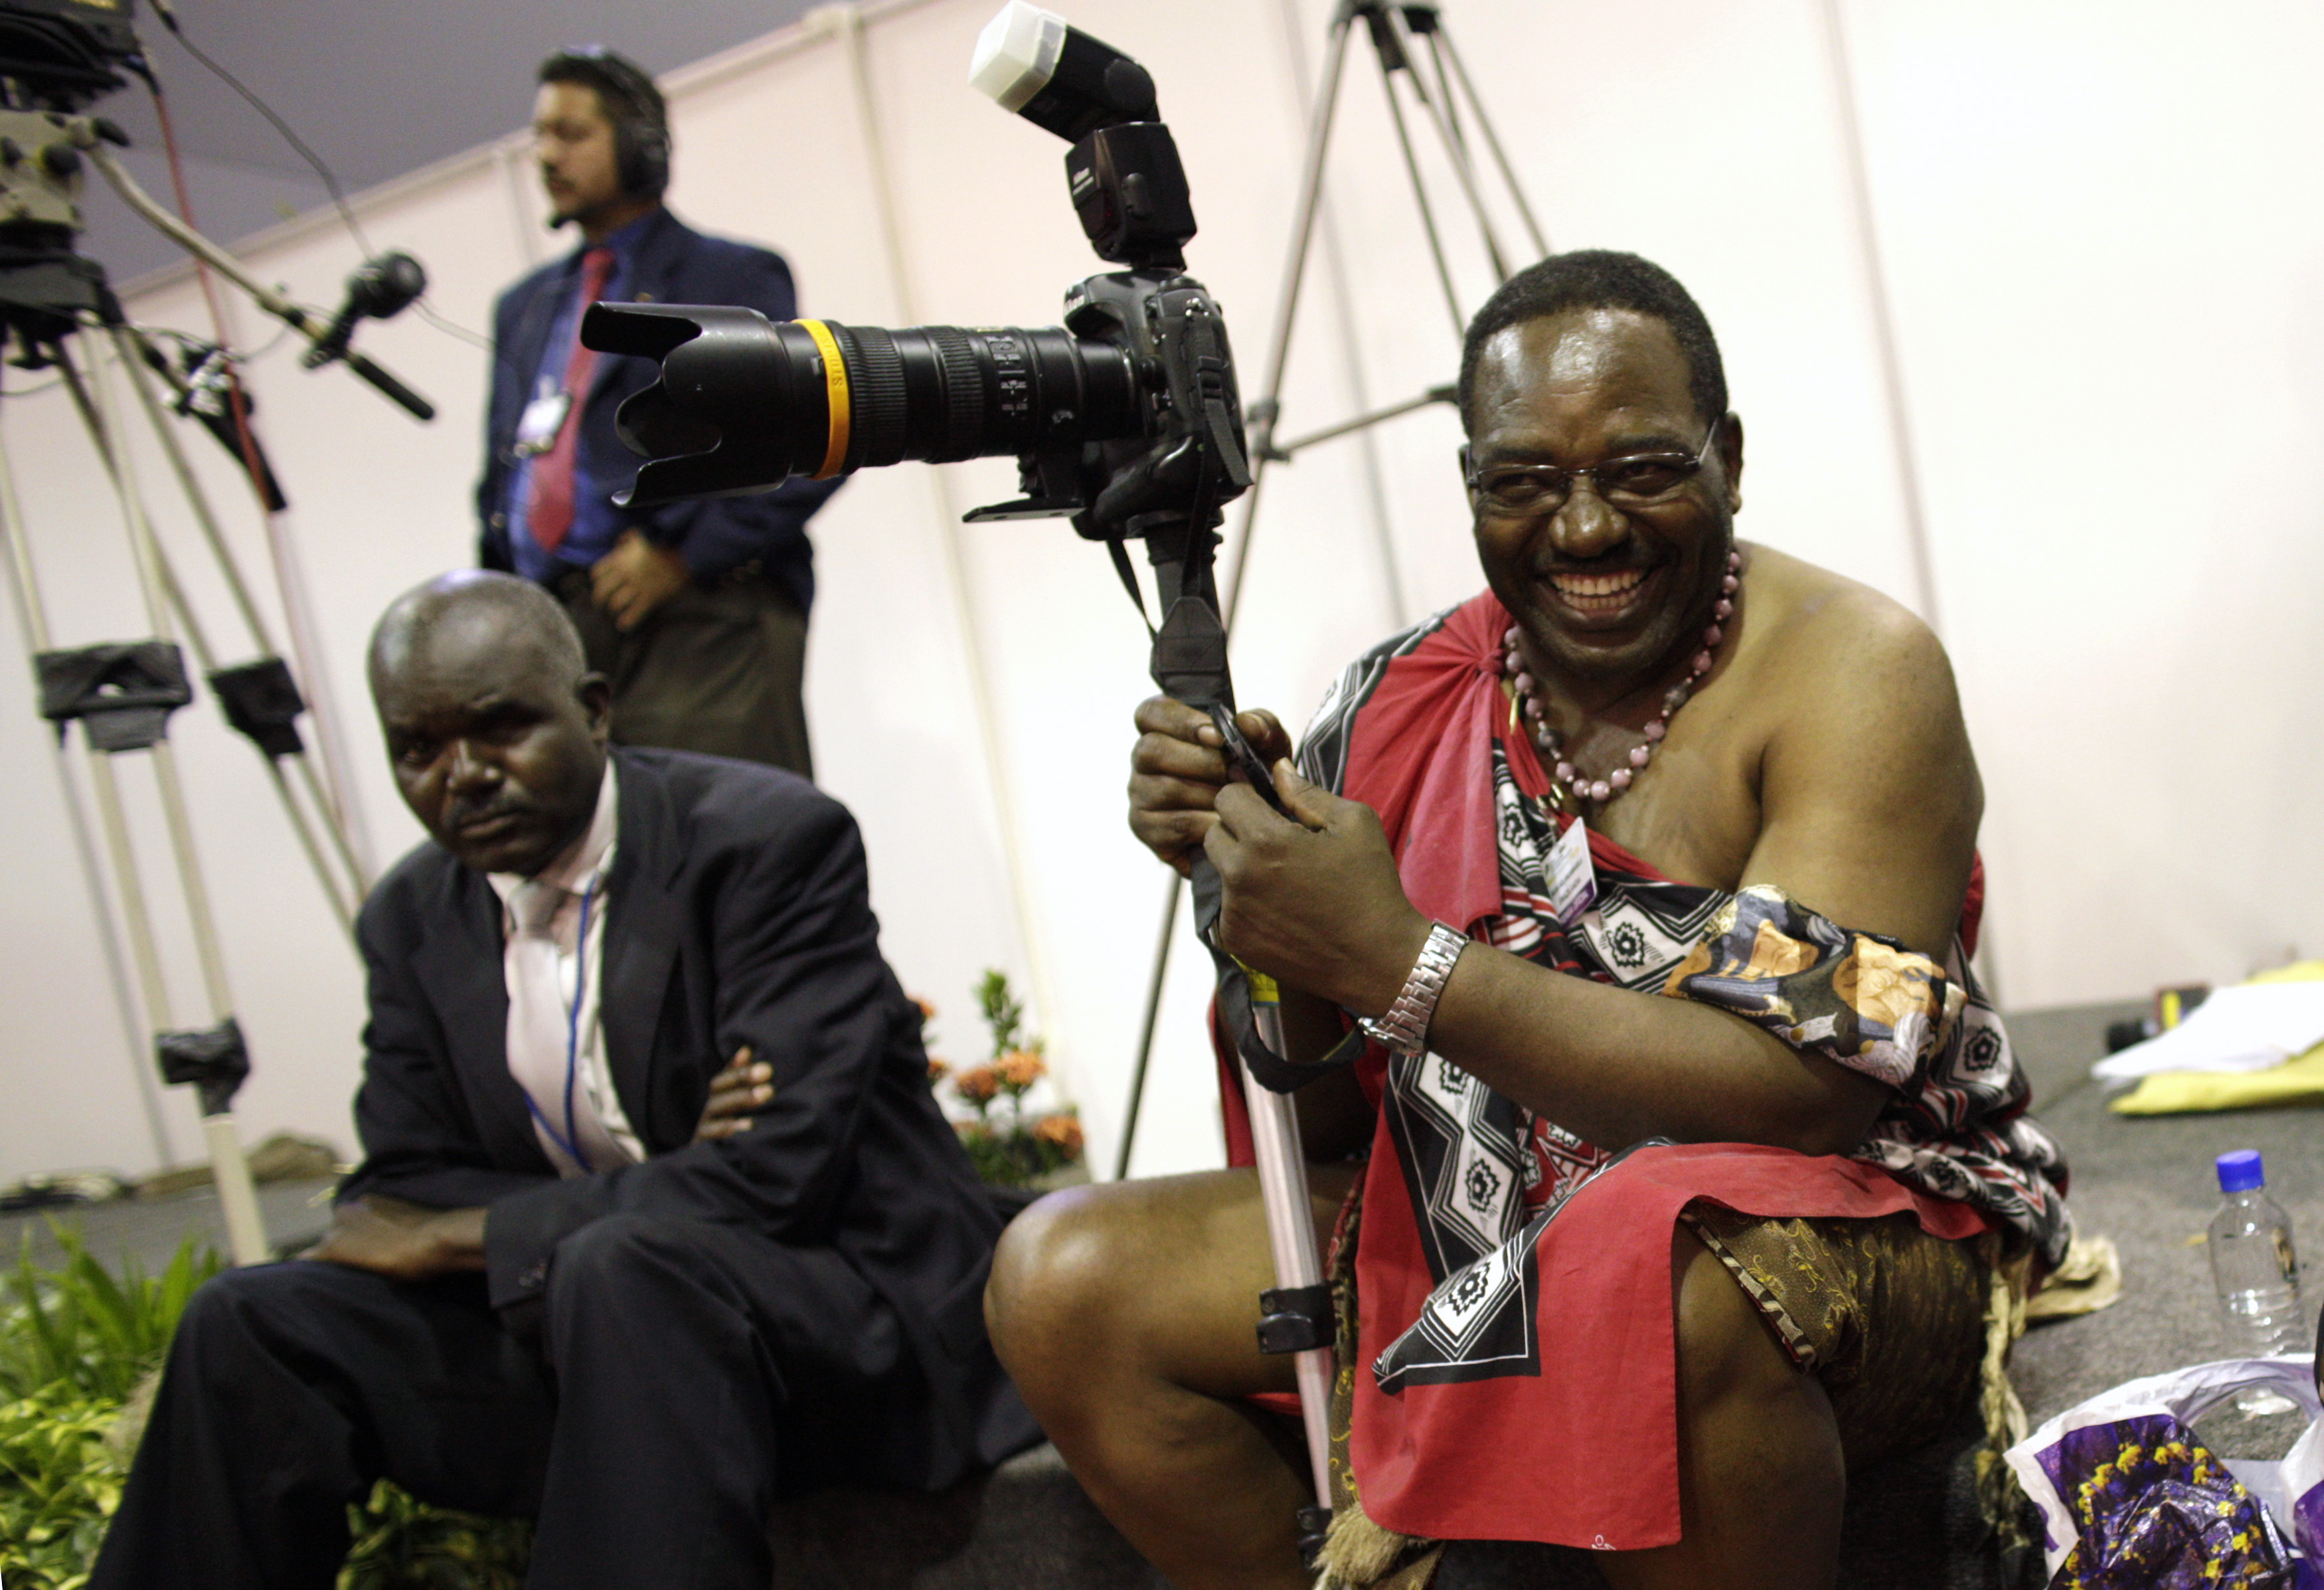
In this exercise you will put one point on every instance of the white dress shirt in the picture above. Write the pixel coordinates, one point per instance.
(558, 1053)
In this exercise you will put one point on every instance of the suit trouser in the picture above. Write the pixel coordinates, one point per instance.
(686, 1375)
(720, 668)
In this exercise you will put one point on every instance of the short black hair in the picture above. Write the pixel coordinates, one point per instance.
(631, 101)
(1601, 279)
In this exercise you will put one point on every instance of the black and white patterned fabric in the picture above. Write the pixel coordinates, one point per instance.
(1480, 1170)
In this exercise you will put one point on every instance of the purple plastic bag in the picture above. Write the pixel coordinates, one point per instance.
(2132, 1500)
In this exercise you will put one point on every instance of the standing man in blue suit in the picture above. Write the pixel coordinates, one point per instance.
(697, 612)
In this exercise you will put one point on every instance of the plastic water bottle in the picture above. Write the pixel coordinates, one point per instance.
(2257, 1271)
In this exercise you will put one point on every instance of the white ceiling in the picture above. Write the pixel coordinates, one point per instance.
(377, 87)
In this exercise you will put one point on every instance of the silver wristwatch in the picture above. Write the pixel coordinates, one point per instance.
(1405, 1028)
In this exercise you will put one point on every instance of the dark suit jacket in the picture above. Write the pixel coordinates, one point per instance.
(737, 914)
(673, 264)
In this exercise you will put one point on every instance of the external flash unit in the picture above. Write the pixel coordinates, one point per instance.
(1036, 63)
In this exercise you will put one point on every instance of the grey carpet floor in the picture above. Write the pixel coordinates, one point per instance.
(1912, 1524)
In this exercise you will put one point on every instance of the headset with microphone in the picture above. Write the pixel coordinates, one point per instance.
(632, 104)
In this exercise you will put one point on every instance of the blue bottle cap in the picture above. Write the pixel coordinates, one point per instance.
(2241, 1171)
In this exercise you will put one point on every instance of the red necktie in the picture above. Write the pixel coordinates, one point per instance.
(551, 514)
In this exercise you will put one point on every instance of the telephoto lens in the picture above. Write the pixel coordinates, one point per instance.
(745, 402)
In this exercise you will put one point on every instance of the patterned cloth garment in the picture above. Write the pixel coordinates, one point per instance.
(1957, 1125)
(1506, 1273)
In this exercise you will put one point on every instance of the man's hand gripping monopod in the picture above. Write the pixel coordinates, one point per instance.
(1190, 664)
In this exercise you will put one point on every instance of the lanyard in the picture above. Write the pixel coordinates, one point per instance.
(570, 1139)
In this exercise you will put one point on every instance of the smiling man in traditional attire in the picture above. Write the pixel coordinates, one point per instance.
(1678, 1160)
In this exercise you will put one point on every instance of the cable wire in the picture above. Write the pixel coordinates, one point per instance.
(297, 145)
(320, 167)
(449, 328)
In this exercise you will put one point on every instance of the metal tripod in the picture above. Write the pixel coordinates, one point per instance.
(122, 695)
(1411, 47)
(58, 310)
(1393, 30)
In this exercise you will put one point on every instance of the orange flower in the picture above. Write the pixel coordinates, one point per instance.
(1020, 1069)
(927, 1011)
(978, 1086)
(937, 1071)
(1064, 1131)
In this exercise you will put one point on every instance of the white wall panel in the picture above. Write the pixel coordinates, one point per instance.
(2112, 293)
(2106, 299)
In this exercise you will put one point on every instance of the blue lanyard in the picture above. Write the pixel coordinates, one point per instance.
(572, 1136)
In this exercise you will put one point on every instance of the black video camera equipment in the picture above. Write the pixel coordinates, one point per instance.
(56, 56)
(61, 54)
(1125, 418)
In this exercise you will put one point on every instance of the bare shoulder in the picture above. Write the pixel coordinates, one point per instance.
(1866, 714)
(1869, 794)
(1831, 648)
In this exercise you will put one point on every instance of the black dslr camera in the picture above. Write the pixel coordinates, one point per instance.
(1125, 418)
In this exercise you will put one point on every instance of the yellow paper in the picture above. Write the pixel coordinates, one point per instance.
(2297, 971)
(2299, 1080)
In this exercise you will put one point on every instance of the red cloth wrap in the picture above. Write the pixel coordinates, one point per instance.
(1585, 1453)
(1556, 1456)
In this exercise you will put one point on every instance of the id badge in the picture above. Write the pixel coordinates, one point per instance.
(543, 417)
(1572, 880)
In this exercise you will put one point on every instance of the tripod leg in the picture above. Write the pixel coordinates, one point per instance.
(130, 887)
(1444, 115)
(32, 620)
(319, 792)
(1283, 1191)
(127, 347)
(329, 807)
(335, 789)
(245, 1228)
(109, 936)
(307, 842)
(1302, 228)
(1420, 194)
(1267, 411)
(1146, 1032)
(1493, 143)
(244, 1231)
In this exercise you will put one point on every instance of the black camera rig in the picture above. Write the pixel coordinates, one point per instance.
(1126, 419)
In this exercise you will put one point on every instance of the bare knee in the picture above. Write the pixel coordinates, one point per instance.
(1726, 1346)
(1056, 1278)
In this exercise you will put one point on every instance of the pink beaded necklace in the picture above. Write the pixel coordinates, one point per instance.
(1572, 780)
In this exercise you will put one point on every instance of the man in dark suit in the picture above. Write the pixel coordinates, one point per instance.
(633, 1249)
(696, 612)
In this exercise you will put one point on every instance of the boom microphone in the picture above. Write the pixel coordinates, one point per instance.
(378, 289)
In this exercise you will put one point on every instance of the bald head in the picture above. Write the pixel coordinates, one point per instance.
(495, 728)
(455, 612)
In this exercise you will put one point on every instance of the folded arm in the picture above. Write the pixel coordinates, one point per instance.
(800, 983)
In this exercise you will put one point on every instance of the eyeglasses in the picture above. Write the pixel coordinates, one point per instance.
(1525, 490)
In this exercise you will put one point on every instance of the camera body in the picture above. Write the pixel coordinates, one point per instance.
(1188, 448)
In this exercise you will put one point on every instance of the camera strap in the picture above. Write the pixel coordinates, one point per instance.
(1119, 550)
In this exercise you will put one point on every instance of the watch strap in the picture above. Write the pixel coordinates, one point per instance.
(1404, 1027)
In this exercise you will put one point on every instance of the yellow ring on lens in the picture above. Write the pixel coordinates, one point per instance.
(835, 386)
